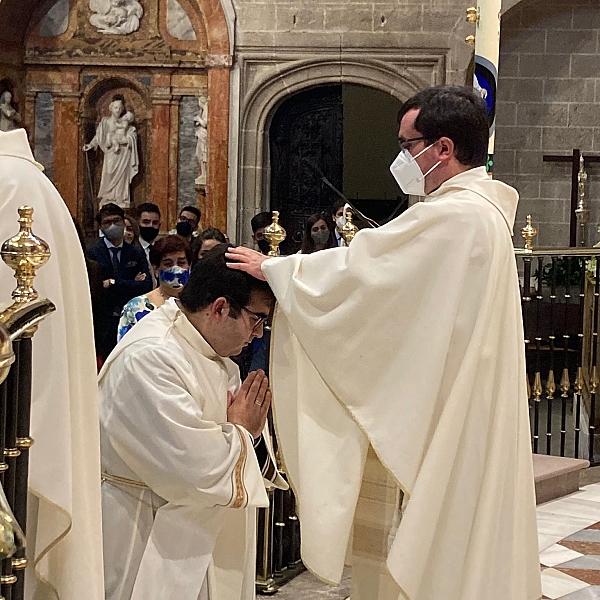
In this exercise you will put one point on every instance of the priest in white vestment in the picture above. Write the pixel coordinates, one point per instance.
(64, 523)
(408, 346)
(185, 453)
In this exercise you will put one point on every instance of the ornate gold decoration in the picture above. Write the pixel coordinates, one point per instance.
(8, 579)
(349, 230)
(25, 253)
(470, 39)
(7, 356)
(550, 386)
(12, 452)
(275, 234)
(565, 384)
(7, 536)
(537, 387)
(472, 15)
(582, 212)
(19, 564)
(595, 381)
(3, 467)
(529, 232)
(579, 381)
(24, 442)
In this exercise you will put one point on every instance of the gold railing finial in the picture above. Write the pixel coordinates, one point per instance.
(275, 234)
(25, 253)
(529, 232)
(349, 230)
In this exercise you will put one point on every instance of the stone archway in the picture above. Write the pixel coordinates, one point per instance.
(264, 84)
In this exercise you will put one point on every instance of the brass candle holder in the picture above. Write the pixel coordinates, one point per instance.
(275, 234)
(349, 230)
(529, 232)
(25, 253)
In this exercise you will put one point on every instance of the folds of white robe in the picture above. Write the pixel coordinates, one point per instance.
(163, 404)
(411, 340)
(64, 523)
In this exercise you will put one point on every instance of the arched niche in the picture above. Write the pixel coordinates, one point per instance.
(95, 105)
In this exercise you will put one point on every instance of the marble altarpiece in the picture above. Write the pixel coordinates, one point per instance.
(65, 67)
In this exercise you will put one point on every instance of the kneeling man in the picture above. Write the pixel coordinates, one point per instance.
(185, 453)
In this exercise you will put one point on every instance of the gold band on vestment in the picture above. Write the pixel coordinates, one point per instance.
(115, 479)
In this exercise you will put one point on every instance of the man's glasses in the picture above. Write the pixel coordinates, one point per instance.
(257, 320)
(406, 144)
(115, 221)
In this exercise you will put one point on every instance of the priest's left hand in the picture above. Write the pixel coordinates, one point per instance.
(246, 260)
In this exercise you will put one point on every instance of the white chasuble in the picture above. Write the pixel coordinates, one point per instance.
(411, 341)
(64, 523)
(180, 484)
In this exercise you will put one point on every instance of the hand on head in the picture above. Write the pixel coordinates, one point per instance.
(245, 259)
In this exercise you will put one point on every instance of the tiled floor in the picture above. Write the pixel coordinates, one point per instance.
(569, 537)
(569, 534)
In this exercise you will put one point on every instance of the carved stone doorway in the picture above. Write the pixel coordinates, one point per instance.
(343, 134)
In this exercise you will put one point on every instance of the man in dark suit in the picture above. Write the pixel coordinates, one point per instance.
(124, 273)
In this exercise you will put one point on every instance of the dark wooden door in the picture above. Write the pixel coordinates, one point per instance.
(306, 143)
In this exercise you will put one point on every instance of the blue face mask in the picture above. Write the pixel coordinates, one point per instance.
(175, 277)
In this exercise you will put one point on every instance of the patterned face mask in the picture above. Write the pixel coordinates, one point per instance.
(175, 277)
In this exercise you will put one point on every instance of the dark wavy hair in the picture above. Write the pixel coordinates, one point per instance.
(308, 244)
(168, 245)
(212, 279)
(458, 113)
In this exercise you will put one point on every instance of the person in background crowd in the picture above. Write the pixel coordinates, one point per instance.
(258, 224)
(187, 223)
(124, 273)
(338, 220)
(318, 234)
(170, 257)
(149, 220)
(132, 231)
(94, 271)
(206, 241)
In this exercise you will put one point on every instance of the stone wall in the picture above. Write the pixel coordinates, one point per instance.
(549, 103)
(285, 46)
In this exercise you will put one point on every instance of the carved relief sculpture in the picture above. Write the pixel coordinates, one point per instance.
(9, 118)
(116, 17)
(117, 138)
(201, 124)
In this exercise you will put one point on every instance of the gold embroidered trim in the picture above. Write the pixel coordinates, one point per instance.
(240, 490)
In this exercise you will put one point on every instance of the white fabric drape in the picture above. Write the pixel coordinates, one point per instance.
(64, 528)
(163, 405)
(411, 340)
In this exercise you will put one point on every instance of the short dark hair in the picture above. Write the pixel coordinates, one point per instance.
(147, 207)
(193, 210)
(263, 219)
(339, 203)
(108, 210)
(166, 245)
(457, 113)
(212, 279)
(212, 233)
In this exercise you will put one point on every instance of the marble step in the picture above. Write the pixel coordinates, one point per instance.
(556, 476)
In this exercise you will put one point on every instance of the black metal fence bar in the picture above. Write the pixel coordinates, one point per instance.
(561, 312)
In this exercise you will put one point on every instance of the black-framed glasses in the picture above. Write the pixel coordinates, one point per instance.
(258, 320)
(405, 144)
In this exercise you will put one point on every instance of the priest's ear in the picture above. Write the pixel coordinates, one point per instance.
(220, 309)
(446, 149)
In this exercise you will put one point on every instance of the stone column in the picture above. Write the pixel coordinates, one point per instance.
(159, 158)
(214, 211)
(29, 115)
(67, 149)
(173, 210)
